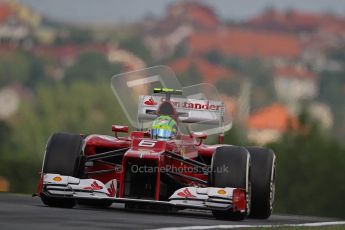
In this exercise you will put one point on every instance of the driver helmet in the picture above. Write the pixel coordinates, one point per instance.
(164, 128)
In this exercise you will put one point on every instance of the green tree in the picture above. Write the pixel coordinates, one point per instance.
(230, 86)
(92, 67)
(74, 36)
(191, 77)
(14, 68)
(235, 137)
(21, 67)
(215, 57)
(310, 173)
(135, 44)
(80, 107)
(332, 92)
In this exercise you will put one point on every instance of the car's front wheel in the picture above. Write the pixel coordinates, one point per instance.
(230, 167)
(62, 156)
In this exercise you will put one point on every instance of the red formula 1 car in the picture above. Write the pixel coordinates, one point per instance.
(165, 161)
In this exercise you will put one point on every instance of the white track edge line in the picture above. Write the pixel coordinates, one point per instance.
(316, 224)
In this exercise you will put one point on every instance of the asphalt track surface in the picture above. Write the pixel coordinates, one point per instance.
(26, 212)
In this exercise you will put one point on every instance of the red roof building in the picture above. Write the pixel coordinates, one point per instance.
(5, 12)
(294, 20)
(68, 51)
(269, 123)
(194, 12)
(210, 73)
(246, 43)
(7, 49)
(273, 117)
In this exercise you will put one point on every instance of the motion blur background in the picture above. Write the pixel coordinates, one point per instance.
(285, 58)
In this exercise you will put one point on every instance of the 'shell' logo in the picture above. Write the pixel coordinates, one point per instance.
(186, 194)
(94, 186)
(150, 102)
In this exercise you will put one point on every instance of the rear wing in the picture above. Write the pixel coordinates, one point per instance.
(189, 110)
(200, 107)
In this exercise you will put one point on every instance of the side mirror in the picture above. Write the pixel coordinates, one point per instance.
(199, 135)
(119, 129)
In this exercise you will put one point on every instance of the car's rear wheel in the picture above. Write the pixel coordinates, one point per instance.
(62, 156)
(236, 161)
(263, 181)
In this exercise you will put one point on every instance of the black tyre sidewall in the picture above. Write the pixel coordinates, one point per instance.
(62, 156)
(263, 165)
(237, 159)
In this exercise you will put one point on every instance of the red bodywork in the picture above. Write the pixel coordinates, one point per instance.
(142, 150)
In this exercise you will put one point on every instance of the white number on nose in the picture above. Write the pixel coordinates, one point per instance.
(147, 143)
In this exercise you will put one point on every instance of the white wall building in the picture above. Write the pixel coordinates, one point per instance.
(293, 84)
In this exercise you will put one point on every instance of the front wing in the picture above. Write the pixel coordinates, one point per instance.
(211, 198)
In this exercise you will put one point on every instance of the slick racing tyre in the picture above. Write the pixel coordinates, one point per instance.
(62, 156)
(237, 161)
(263, 166)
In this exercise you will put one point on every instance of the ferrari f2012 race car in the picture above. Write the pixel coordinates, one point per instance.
(164, 162)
